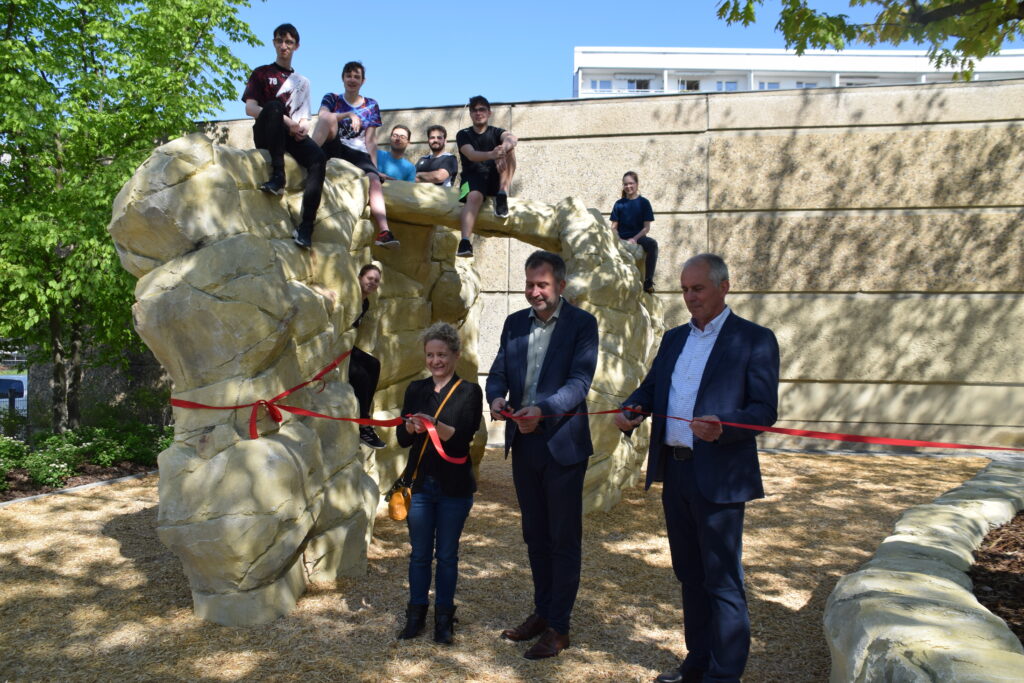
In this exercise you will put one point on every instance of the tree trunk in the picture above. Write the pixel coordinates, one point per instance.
(59, 379)
(74, 372)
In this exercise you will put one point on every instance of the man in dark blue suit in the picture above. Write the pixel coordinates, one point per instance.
(544, 367)
(717, 368)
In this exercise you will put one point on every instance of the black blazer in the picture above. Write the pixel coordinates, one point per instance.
(463, 411)
(740, 384)
(563, 384)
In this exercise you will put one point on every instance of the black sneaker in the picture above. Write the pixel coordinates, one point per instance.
(370, 438)
(274, 186)
(303, 235)
(465, 248)
(386, 239)
(649, 287)
(501, 205)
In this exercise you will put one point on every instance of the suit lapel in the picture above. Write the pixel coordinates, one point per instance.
(558, 339)
(518, 353)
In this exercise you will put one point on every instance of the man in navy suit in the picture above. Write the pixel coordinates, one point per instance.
(717, 368)
(544, 367)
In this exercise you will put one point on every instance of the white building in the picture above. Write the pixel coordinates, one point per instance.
(610, 71)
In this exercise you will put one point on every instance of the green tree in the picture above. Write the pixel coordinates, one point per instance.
(957, 33)
(87, 89)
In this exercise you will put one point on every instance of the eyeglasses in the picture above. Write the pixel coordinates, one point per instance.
(399, 136)
(479, 110)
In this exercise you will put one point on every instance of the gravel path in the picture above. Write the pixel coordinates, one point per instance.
(88, 593)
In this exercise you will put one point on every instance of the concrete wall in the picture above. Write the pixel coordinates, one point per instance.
(877, 230)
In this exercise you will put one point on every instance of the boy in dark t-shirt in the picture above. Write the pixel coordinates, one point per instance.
(439, 167)
(488, 164)
(278, 98)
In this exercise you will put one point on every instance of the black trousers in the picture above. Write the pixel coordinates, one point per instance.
(363, 375)
(551, 502)
(270, 133)
(706, 542)
(650, 247)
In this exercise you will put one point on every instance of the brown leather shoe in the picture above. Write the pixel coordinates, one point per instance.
(549, 645)
(531, 628)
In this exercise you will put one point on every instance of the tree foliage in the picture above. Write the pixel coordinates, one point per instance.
(957, 33)
(86, 92)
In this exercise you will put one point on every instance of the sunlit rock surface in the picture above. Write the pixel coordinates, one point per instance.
(236, 313)
(909, 614)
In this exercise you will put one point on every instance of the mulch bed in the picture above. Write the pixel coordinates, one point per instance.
(21, 486)
(88, 593)
(998, 572)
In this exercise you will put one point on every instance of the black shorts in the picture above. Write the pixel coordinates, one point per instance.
(487, 185)
(361, 160)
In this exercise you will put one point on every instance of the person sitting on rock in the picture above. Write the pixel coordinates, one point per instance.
(439, 167)
(392, 164)
(343, 130)
(364, 369)
(632, 217)
(488, 164)
(278, 98)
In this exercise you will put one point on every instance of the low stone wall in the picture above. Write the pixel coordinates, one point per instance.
(909, 613)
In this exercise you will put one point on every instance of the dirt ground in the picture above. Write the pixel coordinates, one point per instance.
(21, 486)
(88, 593)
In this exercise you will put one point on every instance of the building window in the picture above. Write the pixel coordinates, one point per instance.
(807, 84)
(638, 84)
(689, 85)
(767, 85)
(600, 85)
(726, 86)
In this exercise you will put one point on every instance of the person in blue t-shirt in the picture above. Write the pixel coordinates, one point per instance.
(632, 217)
(392, 164)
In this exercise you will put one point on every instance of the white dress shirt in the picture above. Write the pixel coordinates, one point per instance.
(682, 393)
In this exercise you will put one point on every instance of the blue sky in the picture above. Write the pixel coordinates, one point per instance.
(507, 51)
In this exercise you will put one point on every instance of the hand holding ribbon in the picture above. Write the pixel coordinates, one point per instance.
(420, 423)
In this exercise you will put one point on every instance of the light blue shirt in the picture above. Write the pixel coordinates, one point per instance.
(537, 350)
(399, 169)
(682, 393)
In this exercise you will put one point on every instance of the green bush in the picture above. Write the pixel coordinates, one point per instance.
(53, 464)
(57, 457)
(12, 452)
(13, 424)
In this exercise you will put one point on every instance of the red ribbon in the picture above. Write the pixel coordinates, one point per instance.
(831, 436)
(274, 409)
(436, 440)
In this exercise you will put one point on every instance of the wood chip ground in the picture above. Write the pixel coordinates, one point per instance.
(87, 592)
(999, 574)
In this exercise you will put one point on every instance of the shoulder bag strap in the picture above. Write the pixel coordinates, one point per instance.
(425, 440)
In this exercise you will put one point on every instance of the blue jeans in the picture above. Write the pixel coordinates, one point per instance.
(435, 525)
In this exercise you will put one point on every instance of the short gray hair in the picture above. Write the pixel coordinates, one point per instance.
(442, 332)
(718, 272)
